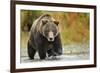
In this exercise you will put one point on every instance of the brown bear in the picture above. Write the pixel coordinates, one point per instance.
(44, 38)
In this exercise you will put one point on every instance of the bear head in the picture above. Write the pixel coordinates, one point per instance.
(49, 29)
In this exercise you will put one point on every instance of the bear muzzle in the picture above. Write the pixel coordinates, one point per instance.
(50, 39)
(51, 36)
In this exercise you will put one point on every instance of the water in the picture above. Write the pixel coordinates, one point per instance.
(70, 53)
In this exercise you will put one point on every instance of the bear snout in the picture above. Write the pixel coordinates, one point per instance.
(50, 36)
(50, 39)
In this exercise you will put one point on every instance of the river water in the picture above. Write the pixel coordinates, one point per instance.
(70, 53)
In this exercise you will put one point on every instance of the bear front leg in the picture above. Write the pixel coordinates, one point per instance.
(51, 52)
(42, 54)
(58, 45)
(31, 51)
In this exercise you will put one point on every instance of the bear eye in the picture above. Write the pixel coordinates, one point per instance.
(46, 31)
(53, 29)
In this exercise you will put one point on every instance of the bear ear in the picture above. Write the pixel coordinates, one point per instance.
(44, 22)
(56, 22)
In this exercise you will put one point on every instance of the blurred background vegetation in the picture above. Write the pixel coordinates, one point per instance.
(74, 26)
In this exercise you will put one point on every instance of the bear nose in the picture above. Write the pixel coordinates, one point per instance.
(51, 38)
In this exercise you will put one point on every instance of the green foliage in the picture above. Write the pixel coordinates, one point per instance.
(24, 39)
(28, 16)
